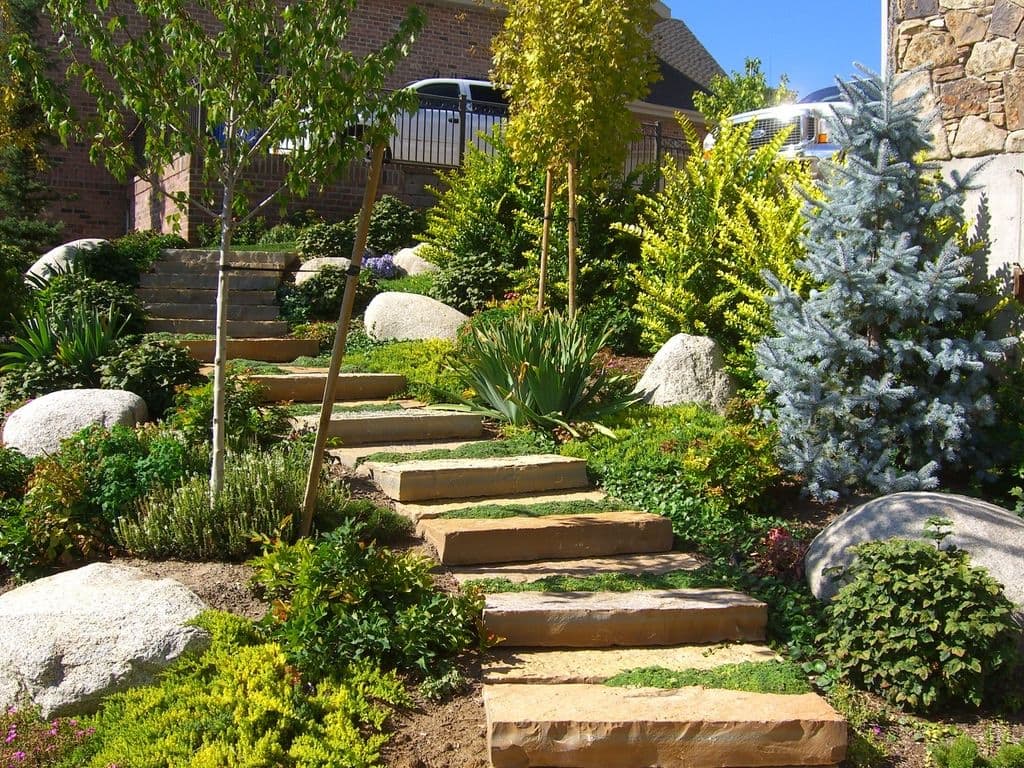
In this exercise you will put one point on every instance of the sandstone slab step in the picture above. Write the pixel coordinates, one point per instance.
(382, 427)
(267, 350)
(309, 387)
(417, 511)
(352, 456)
(512, 539)
(203, 296)
(642, 618)
(595, 665)
(523, 573)
(465, 478)
(236, 328)
(204, 257)
(239, 281)
(199, 311)
(594, 726)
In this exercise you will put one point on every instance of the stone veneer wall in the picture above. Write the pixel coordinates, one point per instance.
(970, 59)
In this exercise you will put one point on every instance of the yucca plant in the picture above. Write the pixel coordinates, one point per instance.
(540, 370)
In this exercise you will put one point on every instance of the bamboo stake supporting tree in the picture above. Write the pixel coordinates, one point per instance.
(544, 239)
(572, 239)
(340, 339)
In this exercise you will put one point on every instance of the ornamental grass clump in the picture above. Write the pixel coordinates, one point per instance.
(920, 626)
(540, 370)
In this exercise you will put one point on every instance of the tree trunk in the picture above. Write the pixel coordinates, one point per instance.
(340, 339)
(221, 345)
(572, 239)
(545, 236)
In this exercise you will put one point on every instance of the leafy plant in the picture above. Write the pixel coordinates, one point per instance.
(320, 297)
(326, 240)
(539, 370)
(64, 293)
(710, 234)
(964, 752)
(13, 263)
(151, 368)
(424, 364)
(393, 224)
(261, 499)
(240, 702)
(781, 555)
(920, 626)
(15, 469)
(345, 599)
(122, 260)
(249, 421)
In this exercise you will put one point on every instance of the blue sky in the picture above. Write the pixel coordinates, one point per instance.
(812, 43)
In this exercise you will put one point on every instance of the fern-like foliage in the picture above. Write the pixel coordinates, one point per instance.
(719, 223)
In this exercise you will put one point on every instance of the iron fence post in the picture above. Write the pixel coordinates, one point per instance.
(462, 128)
(657, 152)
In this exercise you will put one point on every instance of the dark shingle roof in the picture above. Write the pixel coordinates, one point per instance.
(678, 47)
(674, 89)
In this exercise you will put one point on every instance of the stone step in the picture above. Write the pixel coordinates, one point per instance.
(513, 539)
(381, 427)
(199, 311)
(629, 565)
(309, 387)
(417, 511)
(272, 350)
(243, 281)
(204, 296)
(200, 257)
(353, 456)
(596, 726)
(596, 665)
(240, 329)
(465, 478)
(605, 619)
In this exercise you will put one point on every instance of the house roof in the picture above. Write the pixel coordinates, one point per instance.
(679, 48)
(674, 89)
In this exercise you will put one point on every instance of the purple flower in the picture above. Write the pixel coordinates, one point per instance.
(19, 755)
(383, 266)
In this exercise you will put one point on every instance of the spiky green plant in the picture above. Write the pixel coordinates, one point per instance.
(541, 370)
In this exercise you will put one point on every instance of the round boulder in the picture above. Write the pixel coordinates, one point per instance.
(69, 640)
(992, 536)
(393, 316)
(61, 258)
(312, 267)
(39, 425)
(687, 369)
(411, 261)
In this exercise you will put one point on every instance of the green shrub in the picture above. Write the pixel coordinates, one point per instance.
(32, 742)
(320, 330)
(13, 263)
(75, 495)
(920, 626)
(420, 284)
(247, 233)
(539, 370)
(782, 677)
(393, 224)
(241, 703)
(963, 752)
(151, 368)
(122, 260)
(249, 422)
(425, 365)
(284, 233)
(320, 297)
(64, 293)
(326, 240)
(15, 469)
(704, 472)
(261, 499)
(345, 598)
(710, 234)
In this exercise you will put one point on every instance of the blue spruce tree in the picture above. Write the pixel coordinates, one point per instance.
(873, 382)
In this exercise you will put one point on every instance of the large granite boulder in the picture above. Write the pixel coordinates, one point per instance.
(992, 536)
(411, 261)
(403, 316)
(312, 267)
(687, 369)
(68, 640)
(39, 425)
(61, 258)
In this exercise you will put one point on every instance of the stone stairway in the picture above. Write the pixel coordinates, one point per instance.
(180, 293)
(543, 690)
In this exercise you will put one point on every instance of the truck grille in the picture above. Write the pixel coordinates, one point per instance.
(765, 130)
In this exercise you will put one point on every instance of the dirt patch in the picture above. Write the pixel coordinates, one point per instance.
(632, 367)
(224, 586)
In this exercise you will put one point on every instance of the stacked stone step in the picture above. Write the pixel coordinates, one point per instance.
(547, 707)
(180, 293)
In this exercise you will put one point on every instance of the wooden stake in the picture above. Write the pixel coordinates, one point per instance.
(545, 236)
(572, 239)
(340, 339)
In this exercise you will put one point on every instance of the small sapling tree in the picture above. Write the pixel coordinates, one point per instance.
(874, 384)
(223, 82)
(570, 71)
